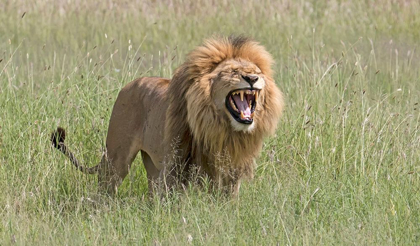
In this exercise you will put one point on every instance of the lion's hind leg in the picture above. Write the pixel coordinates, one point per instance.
(114, 167)
(152, 173)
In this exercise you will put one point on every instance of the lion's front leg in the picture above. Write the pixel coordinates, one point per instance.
(228, 182)
(229, 178)
(234, 188)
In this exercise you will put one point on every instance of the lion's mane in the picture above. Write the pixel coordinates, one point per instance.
(204, 138)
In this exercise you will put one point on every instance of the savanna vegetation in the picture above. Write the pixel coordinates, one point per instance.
(343, 168)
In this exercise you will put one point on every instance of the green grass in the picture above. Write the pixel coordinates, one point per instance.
(343, 168)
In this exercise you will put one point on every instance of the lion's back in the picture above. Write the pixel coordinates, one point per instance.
(148, 88)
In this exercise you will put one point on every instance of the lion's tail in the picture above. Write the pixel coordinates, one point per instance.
(57, 140)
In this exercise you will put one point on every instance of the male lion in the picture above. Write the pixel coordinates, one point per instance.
(210, 118)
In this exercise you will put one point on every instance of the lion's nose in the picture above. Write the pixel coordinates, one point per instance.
(251, 79)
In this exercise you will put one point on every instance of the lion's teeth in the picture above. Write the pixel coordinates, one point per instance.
(242, 95)
(242, 115)
(250, 103)
(252, 115)
(256, 95)
(233, 105)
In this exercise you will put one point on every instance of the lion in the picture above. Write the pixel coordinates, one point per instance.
(210, 119)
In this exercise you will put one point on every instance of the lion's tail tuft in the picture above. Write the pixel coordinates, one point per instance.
(58, 137)
(57, 140)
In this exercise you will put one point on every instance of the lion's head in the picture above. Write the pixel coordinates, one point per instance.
(235, 89)
(231, 87)
(224, 98)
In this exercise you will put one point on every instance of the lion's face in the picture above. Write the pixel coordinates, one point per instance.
(236, 89)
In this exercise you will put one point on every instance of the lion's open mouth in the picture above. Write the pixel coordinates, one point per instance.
(241, 104)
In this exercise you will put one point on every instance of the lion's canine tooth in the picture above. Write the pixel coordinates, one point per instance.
(242, 95)
(242, 115)
(256, 95)
(250, 103)
(252, 115)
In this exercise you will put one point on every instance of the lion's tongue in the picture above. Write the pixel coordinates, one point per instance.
(243, 107)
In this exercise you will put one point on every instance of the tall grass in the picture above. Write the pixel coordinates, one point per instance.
(343, 167)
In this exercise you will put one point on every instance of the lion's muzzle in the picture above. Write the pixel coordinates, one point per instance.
(241, 104)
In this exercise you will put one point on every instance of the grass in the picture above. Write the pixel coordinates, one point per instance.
(343, 167)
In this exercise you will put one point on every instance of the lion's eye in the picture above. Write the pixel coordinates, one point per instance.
(224, 72)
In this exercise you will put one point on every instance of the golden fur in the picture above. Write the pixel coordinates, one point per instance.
(183, 125)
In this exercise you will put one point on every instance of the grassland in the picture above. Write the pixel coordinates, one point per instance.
(343, 168)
